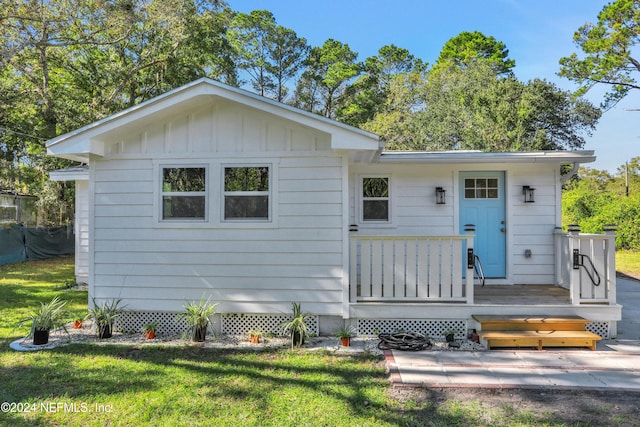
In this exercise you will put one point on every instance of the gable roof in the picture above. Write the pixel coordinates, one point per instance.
(89, 140)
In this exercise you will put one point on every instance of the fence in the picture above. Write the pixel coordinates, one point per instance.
(19, 243)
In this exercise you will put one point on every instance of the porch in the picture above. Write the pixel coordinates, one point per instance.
(432, 277)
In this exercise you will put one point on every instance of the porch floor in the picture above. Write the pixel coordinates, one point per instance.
(521, 295)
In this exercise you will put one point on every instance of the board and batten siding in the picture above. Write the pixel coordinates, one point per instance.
(254, 267)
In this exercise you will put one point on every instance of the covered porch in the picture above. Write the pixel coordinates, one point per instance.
(436, 277)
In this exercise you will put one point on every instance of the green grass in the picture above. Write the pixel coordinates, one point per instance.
(94, 384)
(628, 262)
(23, 286)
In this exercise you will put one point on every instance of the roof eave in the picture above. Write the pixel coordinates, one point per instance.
(561, 157)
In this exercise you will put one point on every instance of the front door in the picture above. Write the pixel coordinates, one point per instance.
(482, 203)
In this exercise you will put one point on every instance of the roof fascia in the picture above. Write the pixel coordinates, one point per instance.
(561, 157)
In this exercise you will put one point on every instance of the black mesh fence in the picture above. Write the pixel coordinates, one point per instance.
(19, 243)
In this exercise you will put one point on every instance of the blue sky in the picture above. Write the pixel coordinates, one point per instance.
(536, 32)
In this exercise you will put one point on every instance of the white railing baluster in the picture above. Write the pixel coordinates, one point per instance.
(595, 251)
(407, 268)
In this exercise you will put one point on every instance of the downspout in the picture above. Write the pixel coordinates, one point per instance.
(574, 170)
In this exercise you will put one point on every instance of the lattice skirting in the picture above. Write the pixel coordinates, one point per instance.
(232, 324)
(430, 328)
(134, 321)
(240, 324)
(600, 328)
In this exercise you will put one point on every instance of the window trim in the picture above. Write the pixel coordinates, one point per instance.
(269, 193)
(362, 199)
(161, 193)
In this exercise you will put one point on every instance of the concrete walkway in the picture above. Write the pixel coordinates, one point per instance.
(614, 365)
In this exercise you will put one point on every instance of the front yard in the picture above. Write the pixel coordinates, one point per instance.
(98, 384)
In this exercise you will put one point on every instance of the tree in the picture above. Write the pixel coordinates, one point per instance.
(593, 199)
(472, 108)
(368, 94)
(610, 55)
(269, 53)
(398, 122)
(67, 63)
(286, 58)
(250, 36)
(330, 68)
(469, 47)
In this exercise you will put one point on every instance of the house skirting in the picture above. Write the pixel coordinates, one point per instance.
(367, 324)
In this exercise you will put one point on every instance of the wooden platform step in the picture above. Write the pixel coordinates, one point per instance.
(539, 339)
(535, 331)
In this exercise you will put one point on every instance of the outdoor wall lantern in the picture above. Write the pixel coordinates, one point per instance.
(527, 192)
(440, 196)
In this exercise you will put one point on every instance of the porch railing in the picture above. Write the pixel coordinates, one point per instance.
(586, 265)
(411, 268)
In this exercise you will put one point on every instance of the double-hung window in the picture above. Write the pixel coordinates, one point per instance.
(246, 193)
(375, 199)
(184, 193)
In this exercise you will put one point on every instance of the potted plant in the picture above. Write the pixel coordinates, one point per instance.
(296, 328)
(345, 333)
(150, 330)
(47, 317)
(77, 320)
(198, 317)
(104, 315)
(450, 335)
(254, 336)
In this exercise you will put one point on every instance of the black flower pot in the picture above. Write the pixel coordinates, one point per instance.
(104, 331)
(449, 337)
(40, 337)
(199, 334)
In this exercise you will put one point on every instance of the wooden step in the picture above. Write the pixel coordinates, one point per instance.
(530, 323)
(539, 339)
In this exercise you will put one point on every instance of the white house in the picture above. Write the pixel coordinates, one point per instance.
(211, 190)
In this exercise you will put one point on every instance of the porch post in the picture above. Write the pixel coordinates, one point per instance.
(610, 261)
(574, 276)
(557, 241)
(470, 230)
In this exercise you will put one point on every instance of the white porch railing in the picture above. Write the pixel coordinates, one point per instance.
(586, 265)
(410, 268)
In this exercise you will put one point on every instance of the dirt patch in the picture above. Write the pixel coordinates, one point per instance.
(522, 406)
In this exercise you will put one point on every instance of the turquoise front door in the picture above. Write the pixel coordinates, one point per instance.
(482, 203)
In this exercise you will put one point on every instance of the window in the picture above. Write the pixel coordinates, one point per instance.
(481, 188)
(184, 193)
(375, 199)
(246, 193)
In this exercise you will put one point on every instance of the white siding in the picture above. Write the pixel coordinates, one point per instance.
(247, 268)
(82, 232)
(532, 224)
(414, 209)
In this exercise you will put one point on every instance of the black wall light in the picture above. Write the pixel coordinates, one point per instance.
(527, 192)
(440, 196)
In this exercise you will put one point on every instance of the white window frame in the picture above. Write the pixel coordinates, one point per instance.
(476, 188)
(362, 199)
(224, 194)
(162, 193)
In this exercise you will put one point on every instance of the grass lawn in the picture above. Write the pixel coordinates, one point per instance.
(628, 262)
(155, 385)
